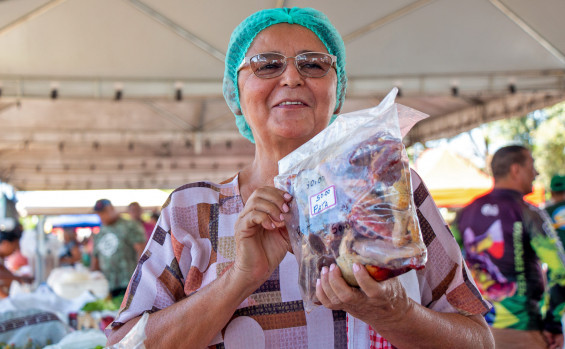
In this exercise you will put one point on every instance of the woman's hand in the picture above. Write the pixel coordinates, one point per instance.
(260, 235)
(384, 302)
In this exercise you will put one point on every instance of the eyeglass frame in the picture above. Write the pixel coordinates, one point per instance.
(247, 60)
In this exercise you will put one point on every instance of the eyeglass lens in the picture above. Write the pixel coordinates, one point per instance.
(310, 64)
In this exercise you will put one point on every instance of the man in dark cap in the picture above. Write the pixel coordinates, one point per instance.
(117, 247)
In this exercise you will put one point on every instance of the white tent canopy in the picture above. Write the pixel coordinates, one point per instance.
(452, 180)
(462, 62)
(82, 201)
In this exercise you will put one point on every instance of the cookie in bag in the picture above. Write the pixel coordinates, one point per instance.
(384, 234)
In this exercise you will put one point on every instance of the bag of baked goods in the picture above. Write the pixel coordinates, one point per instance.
(352, 198)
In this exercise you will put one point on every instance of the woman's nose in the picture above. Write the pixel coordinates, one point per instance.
(291, 76)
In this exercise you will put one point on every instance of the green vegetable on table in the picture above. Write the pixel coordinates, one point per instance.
(103, 304)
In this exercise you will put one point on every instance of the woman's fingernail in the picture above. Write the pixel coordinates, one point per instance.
(332, 267)
(287, 196)
(356, 267)
(318, 282)
(281, 217)
(273, 225)
(324, 270)
(285, 207)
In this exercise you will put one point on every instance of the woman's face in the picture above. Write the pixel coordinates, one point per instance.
(264, 102)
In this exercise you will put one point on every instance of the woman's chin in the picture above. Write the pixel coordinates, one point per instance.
(295, 134)
(294, 129)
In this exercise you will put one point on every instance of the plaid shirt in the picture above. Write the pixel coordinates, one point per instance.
(193, 243)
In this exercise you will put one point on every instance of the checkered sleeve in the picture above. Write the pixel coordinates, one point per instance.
(446, 283)
(166, 267)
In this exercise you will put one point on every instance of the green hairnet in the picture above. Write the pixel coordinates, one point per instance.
(243, 36)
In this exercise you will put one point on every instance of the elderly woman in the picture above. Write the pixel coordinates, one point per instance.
(218, 272)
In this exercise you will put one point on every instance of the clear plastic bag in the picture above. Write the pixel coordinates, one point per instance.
(86, 339)
(135, 338)
(352, 198)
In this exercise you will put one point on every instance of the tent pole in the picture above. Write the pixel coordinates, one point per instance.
(30, 15)
(529, 30)
(39, 272)
(183, 33)
(385, 20)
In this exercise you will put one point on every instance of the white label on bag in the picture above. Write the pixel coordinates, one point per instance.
(322, 201)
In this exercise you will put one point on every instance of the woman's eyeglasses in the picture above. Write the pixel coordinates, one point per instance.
(271, 64)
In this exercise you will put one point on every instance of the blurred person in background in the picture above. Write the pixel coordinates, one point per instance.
(135, 211)
(556, 210)
(70, 252)
(154, 218)
(117, 247)
(86, 248)
(10, 234)
(505, 241)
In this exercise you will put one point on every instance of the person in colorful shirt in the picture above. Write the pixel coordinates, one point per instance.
(506, 240)
(117, 247)
(218, 273)
(556, 210)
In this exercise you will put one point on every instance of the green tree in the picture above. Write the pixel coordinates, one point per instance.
(549, 150)
(543, 131)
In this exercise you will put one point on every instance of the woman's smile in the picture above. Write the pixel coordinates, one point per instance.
(291, 104)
